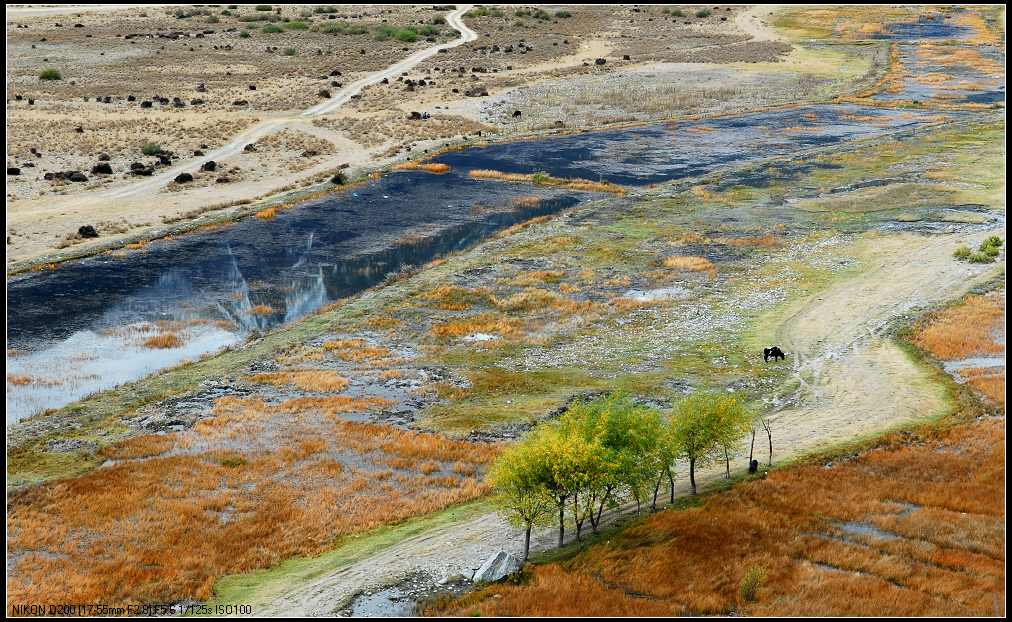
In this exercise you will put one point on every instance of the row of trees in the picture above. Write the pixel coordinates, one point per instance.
(609, 449)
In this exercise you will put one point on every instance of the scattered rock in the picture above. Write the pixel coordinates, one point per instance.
(87, 231)
(183, 178)
(102, 168)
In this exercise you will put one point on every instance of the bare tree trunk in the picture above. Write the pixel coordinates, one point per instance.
(727, 464)
(657, 488)
(692, 474)
(671, 484)
(562, 523)
(527, 541)
(576, 516)
(604, 500)
(751, 448)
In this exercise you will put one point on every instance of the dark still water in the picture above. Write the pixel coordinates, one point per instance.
(86, 326)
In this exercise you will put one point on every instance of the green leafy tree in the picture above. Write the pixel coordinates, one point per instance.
(519, 489)
(702, 426)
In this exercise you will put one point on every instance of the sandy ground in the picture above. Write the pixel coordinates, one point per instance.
(858, 382)
(33, 217)
(498, 52)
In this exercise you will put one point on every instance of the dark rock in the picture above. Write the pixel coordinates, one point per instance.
(87, 231)
(600, 61)
(210, 165)
(102, 168)
(183, 178)
(103, 157)
(77, 176)
(324, 93)
(250, 148)
(13, 170)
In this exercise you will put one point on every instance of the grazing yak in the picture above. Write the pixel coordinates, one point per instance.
(774, 353)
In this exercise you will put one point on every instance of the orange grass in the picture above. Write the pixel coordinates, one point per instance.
(429, 167)
(690, 264)
(163, 341)
(267, 214)
(544, 180)
(964, 330)
(481, 323)
(947, 558)
(179, 513)
(307, 379)
(262, 310)
(355, 350)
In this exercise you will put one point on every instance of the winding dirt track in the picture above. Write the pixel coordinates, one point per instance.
(250, 135)
(855, 379)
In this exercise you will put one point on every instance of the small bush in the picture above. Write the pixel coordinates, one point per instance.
(484, 11)
(989, 249)
(750, 584)
(563, 14)
(677, 13)
(405, 35)
(704, 13)
(50, 74)
(296, 25)
(150, 149)
(289, 52)
(244, 34)
(263, 7)
(342, 28)
(271, 29)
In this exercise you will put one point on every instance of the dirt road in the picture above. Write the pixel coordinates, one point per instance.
(856, 381)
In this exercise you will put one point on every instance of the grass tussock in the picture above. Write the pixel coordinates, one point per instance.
(437, 168)
(455, 298)
(490, 322)
(164, 341)
(321, 380)
(543, 179)
(355, 350)
(262, 310)
(267, 213)
(689, 264)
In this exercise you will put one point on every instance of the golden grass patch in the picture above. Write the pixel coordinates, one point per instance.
(163, 341)
(482, 323)
(437, 168)
(542, 179)
(306, 379)
(689, 263)
(964, 330)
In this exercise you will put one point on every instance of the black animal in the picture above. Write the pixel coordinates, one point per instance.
(774, 353)
(753, 466)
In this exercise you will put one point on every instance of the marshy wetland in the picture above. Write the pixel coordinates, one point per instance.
(316, 393)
